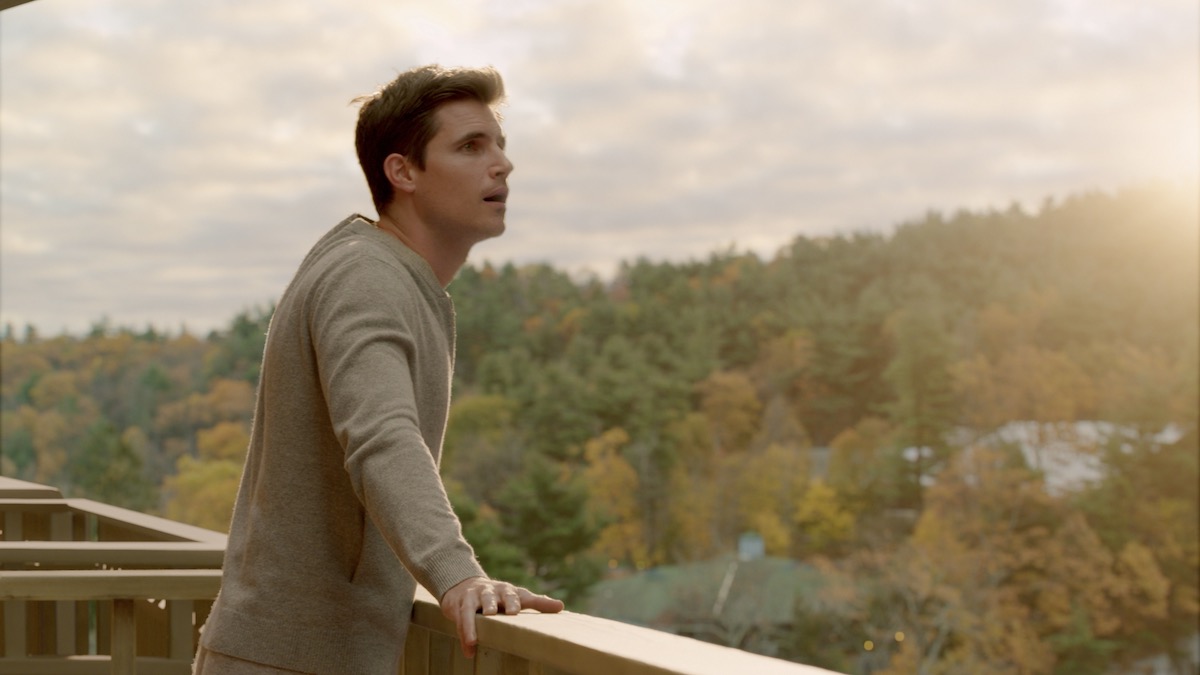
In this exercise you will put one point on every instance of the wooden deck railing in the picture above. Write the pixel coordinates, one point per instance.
(91, 588)
(116, 605)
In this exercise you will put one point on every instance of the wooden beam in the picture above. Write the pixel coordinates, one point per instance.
(415, 660)
(587, 645)
(19, 505)
(115, 553)
(124, 637)
(180, 645)
(110, 584)
(157, 528)
(11, 488)
(64, 610)
(152, 527)
(89, 665)
(15, 645)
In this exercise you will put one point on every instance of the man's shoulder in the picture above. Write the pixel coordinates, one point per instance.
(356, 247)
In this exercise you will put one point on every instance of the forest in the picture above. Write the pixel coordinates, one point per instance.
(854, 401)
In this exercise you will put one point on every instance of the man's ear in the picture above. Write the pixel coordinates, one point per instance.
(399, 172)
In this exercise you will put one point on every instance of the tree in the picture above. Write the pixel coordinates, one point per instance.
(544, 512)
(482, 528)
(824, 524)
(483, 446)
(765, 491)
(869, 472)
(924, 408)
(613, 488)
(202, 493)
(107, 469)
(730, 403)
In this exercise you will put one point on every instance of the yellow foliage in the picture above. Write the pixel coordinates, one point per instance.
(822, 519)
(613, 487)
(203, 492)
(731, 406)
(1147, 590)
(53, 389)
(226, 440)
(231, 399)
(694, 444)
(1025, 383)
(693, 514)
(766, 488)
(226, 400)
(48, 432)
(776, 535)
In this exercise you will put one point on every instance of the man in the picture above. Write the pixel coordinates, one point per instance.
(341, 510)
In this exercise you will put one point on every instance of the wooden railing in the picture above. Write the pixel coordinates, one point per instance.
(91, 588)
(571, 644)
(115, 605)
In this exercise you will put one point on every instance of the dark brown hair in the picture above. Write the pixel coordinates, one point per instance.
(400, 117)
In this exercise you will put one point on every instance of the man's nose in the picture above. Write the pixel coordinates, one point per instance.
(502, 167)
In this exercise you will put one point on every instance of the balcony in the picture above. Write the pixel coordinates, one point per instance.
(89, 588)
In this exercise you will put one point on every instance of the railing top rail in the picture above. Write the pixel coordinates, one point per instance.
(92, 553)
(588, 645)
(148, 523)
(11, 488)
(188, 584)
(151, 526)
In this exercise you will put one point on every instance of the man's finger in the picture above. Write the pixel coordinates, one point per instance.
(466, 624)
(512, 602)
(542, 603)
(487, 601)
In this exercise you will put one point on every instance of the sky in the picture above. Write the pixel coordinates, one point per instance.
(169, 162)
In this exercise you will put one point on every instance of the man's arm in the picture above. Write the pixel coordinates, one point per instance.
(364, 348)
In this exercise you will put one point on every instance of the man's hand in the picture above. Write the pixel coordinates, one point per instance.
(479, 594)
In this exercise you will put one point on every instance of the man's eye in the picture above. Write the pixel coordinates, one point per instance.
(469, 146)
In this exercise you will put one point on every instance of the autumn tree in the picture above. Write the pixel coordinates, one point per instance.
(613, 488)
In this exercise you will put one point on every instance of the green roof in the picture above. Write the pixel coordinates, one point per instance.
(760, 592)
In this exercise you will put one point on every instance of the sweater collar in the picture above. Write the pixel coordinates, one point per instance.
(408, 257)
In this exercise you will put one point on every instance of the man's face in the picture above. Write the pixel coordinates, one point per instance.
(460, 194)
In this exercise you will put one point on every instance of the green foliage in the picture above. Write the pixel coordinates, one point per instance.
(544, 512)
(482, 529)
(108, 470)
(239, 350)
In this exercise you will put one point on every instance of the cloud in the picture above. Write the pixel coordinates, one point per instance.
(163, 162)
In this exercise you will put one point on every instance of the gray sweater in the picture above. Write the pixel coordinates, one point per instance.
(341, 504)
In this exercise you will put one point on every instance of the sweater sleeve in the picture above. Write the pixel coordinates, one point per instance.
(360, 322)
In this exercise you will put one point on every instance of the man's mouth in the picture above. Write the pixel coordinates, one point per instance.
(499, 196)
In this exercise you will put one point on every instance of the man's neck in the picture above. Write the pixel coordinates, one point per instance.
(445, 260)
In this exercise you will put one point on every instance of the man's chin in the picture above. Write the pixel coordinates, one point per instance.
(489, 231)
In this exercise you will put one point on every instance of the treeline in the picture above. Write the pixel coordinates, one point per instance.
(846, 400)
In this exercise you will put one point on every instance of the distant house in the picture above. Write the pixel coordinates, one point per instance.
(1068, 454)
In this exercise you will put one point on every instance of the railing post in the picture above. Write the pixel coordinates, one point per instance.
(14, 610)
(64, 610)
(416, 652)
(181, 613)
(124, 637)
